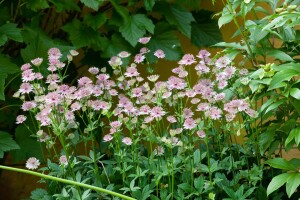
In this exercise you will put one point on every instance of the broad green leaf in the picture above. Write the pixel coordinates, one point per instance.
(206, 34)
(80, 35)
(274, 106)
(37, 4)
(287, 66)
(149, 4)
(95, 22)
(295, 92)
(11, 31)
(177, 16)
(93, 4)
(136, 27)
(40, 194)
(164, 38)
(280, 163)
(292, 183)
(115, 45)
(66, 5)
(231, 45)
(265, 140)
(199, 183)
(225, 19)
(6, 67)
(284, 75)
(3, 39)
(280, 55)
(292, 135)
(277, 182)
(29, 146)
(6, 143)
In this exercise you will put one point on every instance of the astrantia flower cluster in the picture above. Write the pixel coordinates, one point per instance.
(137, 109)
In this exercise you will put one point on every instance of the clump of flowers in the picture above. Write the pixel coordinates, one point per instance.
(137, 123)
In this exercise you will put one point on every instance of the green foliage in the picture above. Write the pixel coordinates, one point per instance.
(6, 143)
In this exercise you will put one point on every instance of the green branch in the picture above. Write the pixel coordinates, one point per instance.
(98, 189)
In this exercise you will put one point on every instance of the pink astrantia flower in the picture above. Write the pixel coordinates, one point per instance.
(131, 72)
(115, 61)
(222, 62)
(144, 40)
(25, 67)
(159, 53)
(37, 61)
(25, 88)
(54, 53)
(93, 70)
(201, 134)
(127, 141)
(115, 124)
(124, 54)
(214, 113)
(28, 105)
(32, 163)
(28, 75)
(159, 151)
(63, 160)
(157, 112)
(203, 107)
(84, 81)
(189, 124)
(171, 119)
(20, 119)
(53, 98)
(138, 58)
(144, 50)
(176, 83)
(107, 138)
(187, 59)
(203, 54)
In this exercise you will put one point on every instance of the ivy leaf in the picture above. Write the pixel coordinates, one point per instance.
(10, 31)
(93, 4)
(95, 22)
(164, 38)
(177, 16)
(6, 67)
(37, 4)
(6, 143)
(136, 27)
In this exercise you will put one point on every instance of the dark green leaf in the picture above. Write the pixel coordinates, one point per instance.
(40, 194)
(205, 34)
(95, 22)
(29, 146)
(6, 67)
(164, 38)
(136, 27)
(277, 182)
(6, 143)
(177, 16)
(37, 4)
(11, 31)
(265, 140)
(115, 46)
(93, 4)
(292, 183)
(66, 5)
(3, 39)
(280, 163)
(149, 4)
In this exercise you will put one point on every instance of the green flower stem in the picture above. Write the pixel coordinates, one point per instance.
(98, 189)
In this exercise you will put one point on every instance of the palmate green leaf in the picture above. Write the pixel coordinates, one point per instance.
(292, 183)
(177, 16)
(164, 38)
(93, 4)
(95, 22)
(6, 67)
(11, 31)
(136, 27)
(115, 45)
(37, 4)
(6, 143)
(280, 163)
(277, 182)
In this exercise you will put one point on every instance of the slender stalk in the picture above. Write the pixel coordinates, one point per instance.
(98, 189)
